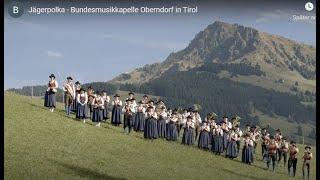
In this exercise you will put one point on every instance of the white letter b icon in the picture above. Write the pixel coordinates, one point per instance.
(15, 9)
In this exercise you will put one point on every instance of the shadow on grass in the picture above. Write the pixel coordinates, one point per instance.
(246, 176)
(85, 172)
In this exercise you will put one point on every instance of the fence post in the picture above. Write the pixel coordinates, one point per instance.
(31, 92)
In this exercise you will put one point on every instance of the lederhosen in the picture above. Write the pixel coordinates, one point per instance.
(68, 98)
(283, 152)
(306, 162)
(128, 118)
(292, 162)
(272, 153)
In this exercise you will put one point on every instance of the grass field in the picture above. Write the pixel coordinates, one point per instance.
(44, 145)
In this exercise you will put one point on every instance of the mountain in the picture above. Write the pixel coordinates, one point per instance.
(231, 69)
(282, 60)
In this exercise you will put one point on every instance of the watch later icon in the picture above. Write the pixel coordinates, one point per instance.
(309, 6)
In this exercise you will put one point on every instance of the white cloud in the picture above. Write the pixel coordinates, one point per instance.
(164, 45)
(54, 54)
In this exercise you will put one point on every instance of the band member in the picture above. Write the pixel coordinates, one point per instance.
(284, 147)
(184, 117)
(266, 141)
(50, 96)
(145, 100)
(150, 126)
(204, 140)
(162, 122)
(106, 100)
(217, 136)
(239, 133)
(179, 121)
(172, 134)
(77, 87)
(198, 122)
(248, 128)
(139, 118)
(151, 104)
(132, 99)
(247, 151)
(278, 139)
(98, 105)
(232, 151)
(128, 116)
(272, 153)
(188, 127)
(91, 96)
(226, 126)
(69, 94)
(211, 118)
(116, 110)
(160, 104)
(292, 162)
(82, 108)
(306, 160)
(263, 145)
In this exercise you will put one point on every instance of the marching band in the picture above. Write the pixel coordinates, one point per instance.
(155, 120)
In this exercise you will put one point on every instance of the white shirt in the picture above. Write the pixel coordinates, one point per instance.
(82, 95)
(117, 102)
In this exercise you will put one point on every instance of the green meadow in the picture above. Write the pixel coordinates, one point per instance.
(43, 145)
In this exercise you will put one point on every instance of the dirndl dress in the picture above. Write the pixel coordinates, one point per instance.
(188, 137)
(105, 111)
(247, 154)
(232, 151)
(50, 99)
(97, 115)
(82, 111)
(203, 142)
(150, 128)
(218, 143)
(139, 121)
(116, 115)
(172, 134)
(161, 125)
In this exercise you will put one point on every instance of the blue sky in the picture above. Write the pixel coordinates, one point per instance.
(97, 48)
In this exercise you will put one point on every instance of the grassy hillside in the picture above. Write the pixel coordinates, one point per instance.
(44, 145)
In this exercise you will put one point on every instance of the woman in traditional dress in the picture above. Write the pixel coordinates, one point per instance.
(139, 118)
(91, 96)
(150, 127)
(162, 122)
(77, 87)
(232, 151)
(50, 96)
(203, 142)
(226, 126)
(98, 105)
(172, 134)
(239, 133)
(106, 100)
(187, 137)
(128, 116)
(116, 110)
(82, 108)
(247, 151)
(218, 140)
